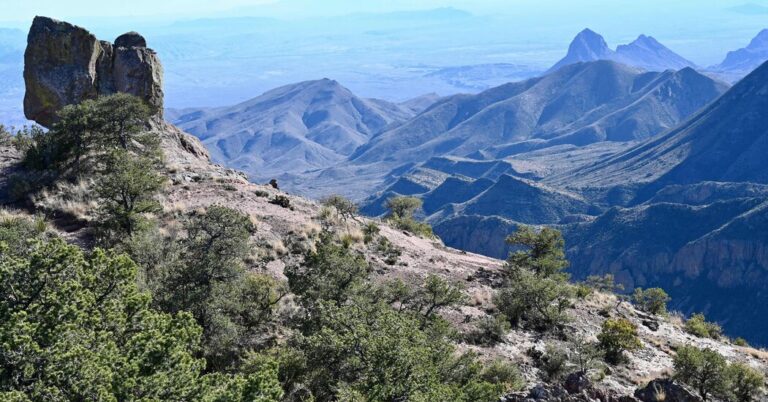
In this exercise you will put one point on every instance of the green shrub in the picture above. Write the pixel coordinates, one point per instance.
(539, 303)
(404, 207)
(740, 342)
(344, 207)
(505, 373)
(261, 193)
(702, 369)
(282, 201)
(388, 250)
(699, 326)
(554, 362)
(85, 332)
(604, 283)
(653, 300)
(745, 384)
(616, 337)
(489, 330)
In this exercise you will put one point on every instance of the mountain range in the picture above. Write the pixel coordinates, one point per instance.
(644, 52)
(291, 129)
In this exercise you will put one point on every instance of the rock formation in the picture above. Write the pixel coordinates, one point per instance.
(65, 64)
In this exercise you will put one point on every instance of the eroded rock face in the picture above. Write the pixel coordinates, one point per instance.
(65, 64)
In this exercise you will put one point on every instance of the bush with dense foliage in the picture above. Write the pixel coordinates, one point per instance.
(709, 373)
(76, 327)
(401, 216)
(699, 326)
(653, 300)
(616, 337)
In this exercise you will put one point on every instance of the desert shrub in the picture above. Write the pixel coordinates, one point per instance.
(505, 373)
(740, 342)
(370, 231)
(282, 201)
(603, 283)
(616, 337)
(554, 362)
(389, 251)
(209, 280)
(583, 354)
(745, 384)
(261, 193)
(331, 273)
(653, 300)
(541, 252)
(539, 303)
(536, 291)
(583, 291)
(404, 207)
(401, 216)
(703, 369)
(699, 326)
(489, 330)
(360, 341)
(344, 207)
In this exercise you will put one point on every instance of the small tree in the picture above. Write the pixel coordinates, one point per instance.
(540, 303)
(543, 252)
(344, 207)
(618, 336)
(403, 207)
(127, 190)
(703, 369)
(653, 300)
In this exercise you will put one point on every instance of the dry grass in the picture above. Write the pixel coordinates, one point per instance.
(74, 199)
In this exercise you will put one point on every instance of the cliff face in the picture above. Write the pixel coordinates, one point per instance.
(65, 64)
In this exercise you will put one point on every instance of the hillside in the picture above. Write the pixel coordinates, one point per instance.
(292, 129)
(722, 142)
(580, 104)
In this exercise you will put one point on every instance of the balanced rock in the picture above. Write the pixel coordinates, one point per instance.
(130, 39)
(65, 64)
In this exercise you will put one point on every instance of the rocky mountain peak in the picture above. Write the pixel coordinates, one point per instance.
(760, 41)
(65, 64)
(589, 45)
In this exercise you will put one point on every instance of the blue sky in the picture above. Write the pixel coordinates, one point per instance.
(214, 62)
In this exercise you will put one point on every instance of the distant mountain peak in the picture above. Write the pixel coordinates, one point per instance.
(645, 52)
(588, 45)
(739, 63)
(760, 41)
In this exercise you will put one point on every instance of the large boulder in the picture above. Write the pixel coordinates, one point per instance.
(65, 64)
(666, 390)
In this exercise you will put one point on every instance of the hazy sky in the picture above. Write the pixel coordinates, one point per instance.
(17, 10)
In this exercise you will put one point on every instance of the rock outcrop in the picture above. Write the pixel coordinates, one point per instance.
(65, 64)
(665, 390)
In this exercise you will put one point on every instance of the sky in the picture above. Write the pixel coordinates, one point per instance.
(211, 61)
